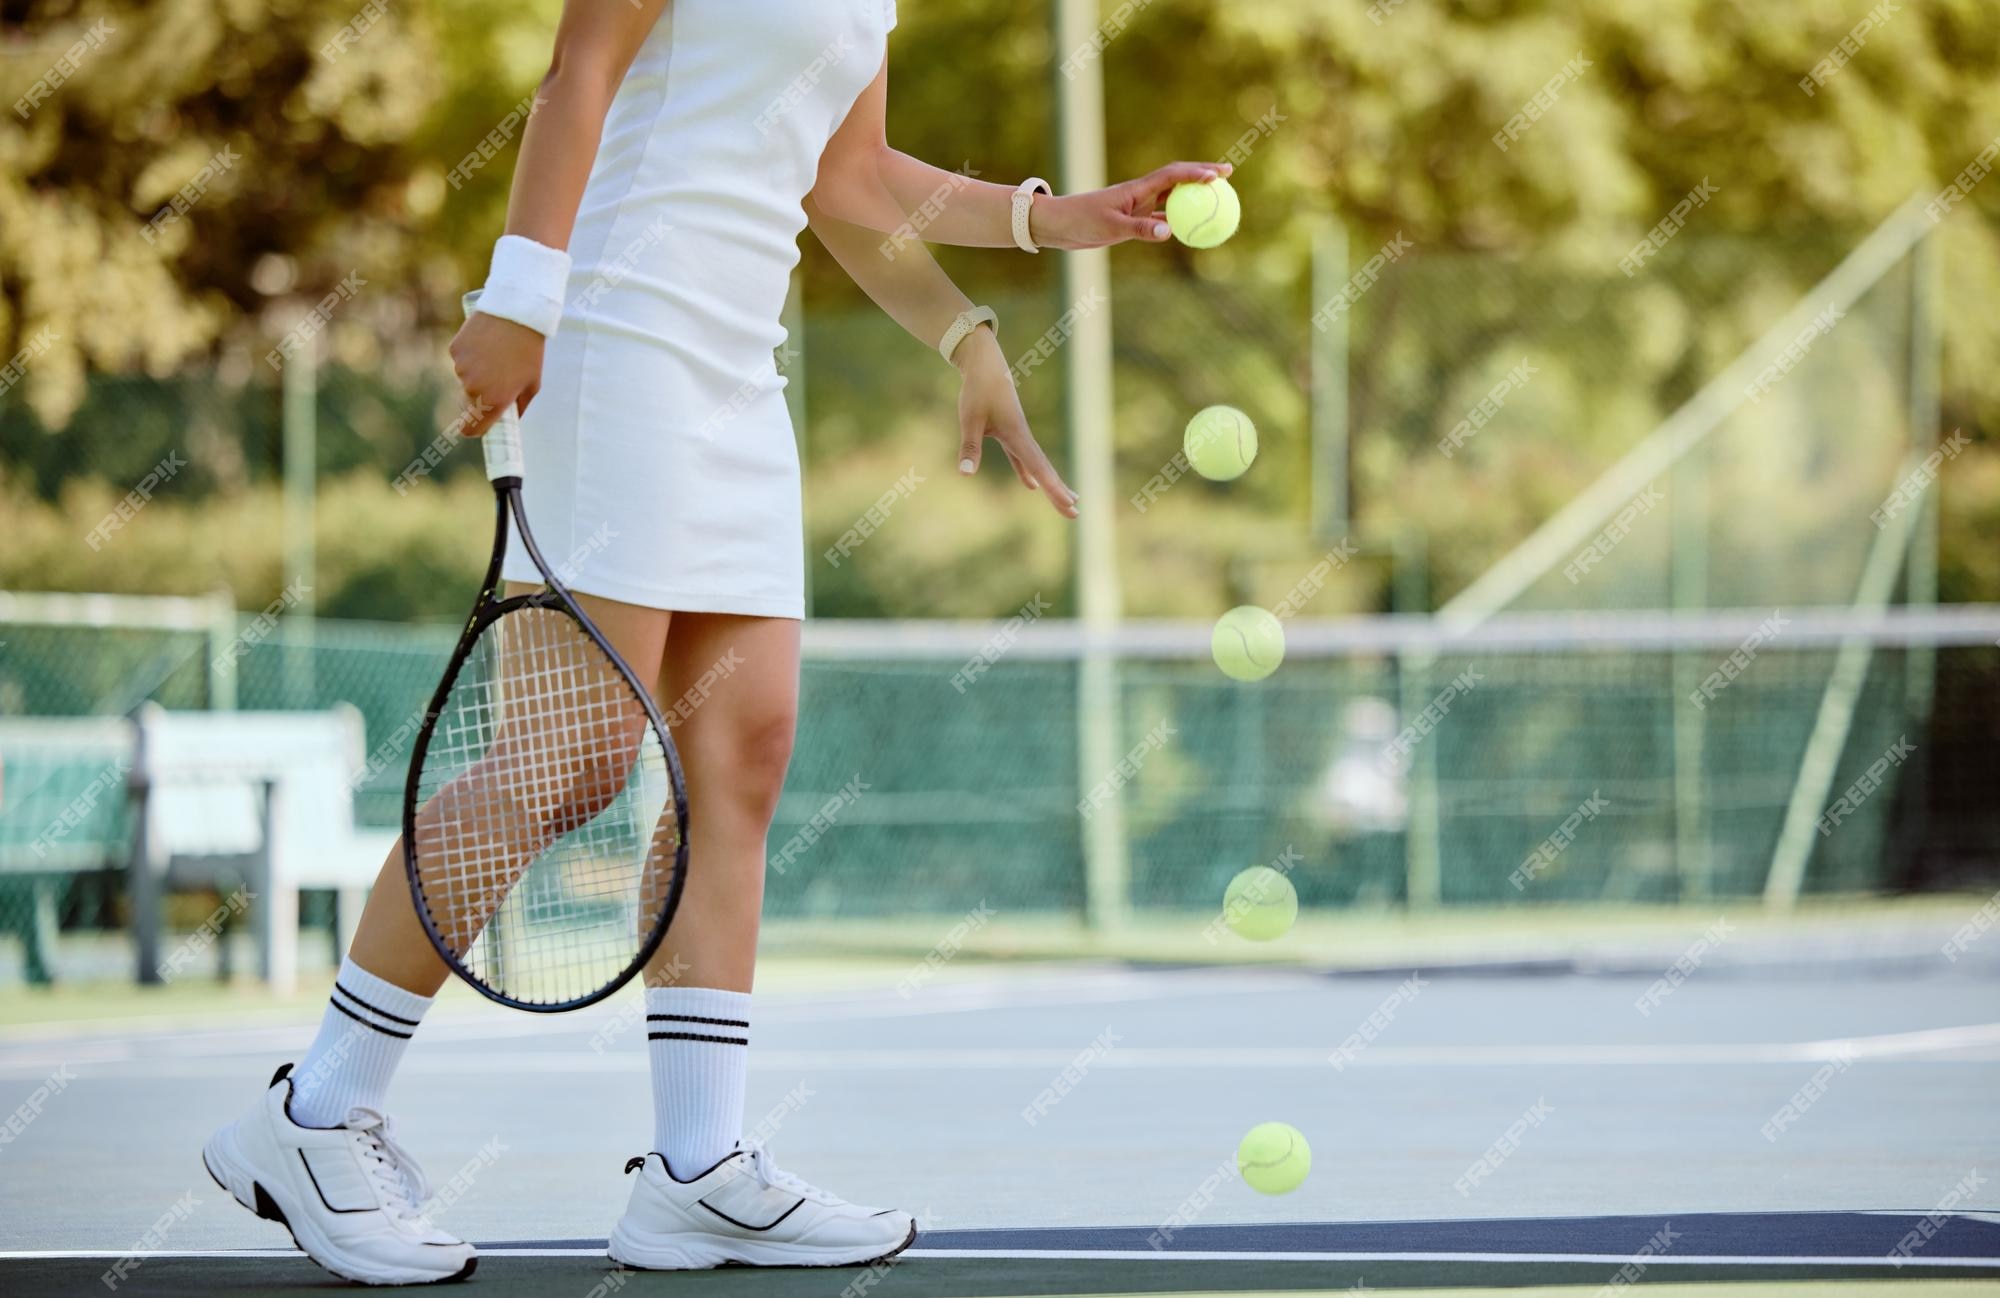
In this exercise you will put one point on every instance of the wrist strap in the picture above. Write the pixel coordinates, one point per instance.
(526, 284)
(966, 322)
(1024, 202)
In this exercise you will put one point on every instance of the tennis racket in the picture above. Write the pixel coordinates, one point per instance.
(545, 815)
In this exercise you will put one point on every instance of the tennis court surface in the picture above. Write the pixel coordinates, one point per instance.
(1793, 1114)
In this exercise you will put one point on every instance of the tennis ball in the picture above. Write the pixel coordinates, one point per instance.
(1220, 443)
(1203, 213)
(1260, 904)
(1248, 643)
(1274, 1158)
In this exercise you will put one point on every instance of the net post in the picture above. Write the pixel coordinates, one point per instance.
(1423, 875)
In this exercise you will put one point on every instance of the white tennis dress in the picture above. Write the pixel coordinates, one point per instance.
(661, 465)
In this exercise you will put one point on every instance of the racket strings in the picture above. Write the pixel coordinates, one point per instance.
(546, 834)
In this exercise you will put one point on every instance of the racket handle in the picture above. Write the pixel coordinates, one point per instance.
(502, 442)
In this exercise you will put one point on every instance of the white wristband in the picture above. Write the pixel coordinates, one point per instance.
(964, 324)
(526, 284)
(1024, 202)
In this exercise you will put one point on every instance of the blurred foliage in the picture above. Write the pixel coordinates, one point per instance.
(361, 162)
(419, 555)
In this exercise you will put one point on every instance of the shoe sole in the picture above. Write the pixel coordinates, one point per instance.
(709, 1252)
(261, 1202)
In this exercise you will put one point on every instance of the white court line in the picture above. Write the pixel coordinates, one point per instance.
(1971, 1043)
(219, 1035)
(1977, 1043)
(1098, 1255)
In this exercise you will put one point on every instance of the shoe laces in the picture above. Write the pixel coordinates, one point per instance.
(403, 1183)
(772, 1177)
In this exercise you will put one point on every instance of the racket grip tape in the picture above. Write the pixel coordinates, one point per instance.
(502, 442)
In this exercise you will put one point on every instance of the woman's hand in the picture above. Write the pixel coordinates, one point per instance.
(1102, 217)
(499, 364)
(988, 406)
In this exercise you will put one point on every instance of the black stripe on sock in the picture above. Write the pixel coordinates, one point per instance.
(387, 1032)
(695, 1018)
(371, 1009)
(695, 1036)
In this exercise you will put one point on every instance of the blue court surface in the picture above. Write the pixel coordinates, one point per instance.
(1068, 1129)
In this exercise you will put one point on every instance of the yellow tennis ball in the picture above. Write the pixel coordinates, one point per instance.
(1220, 442)
(1274, 1158)
(1203, 213)
(1248, 643)
(1260, 904)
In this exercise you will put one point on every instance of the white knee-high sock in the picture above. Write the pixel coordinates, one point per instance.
(699, 1040)
(368, 1023)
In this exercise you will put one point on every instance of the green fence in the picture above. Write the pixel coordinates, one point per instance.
(909, 793)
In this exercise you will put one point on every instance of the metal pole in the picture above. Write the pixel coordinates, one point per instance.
(1920, 581)
(1079, 85)
(149, 855)
(1687, 567)
(301, 395)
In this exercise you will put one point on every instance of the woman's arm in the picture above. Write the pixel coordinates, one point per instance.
(915, 292)
(498, 361)
(865, 182)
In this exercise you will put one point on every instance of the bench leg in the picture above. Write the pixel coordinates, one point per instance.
(38, 935)
(144, 880)
(275, 917)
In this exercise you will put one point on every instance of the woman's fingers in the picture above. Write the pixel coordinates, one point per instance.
(971, 440)
(1181, 173)
(1022, 443)
(1150, 228)
(498, 364)
(483, 412)
(1030, 465)
(1020, 469)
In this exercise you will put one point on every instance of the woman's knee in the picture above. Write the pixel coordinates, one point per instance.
(749, 753)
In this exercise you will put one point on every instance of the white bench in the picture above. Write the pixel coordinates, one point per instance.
(266, 797)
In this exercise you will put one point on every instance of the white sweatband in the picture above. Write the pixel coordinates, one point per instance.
(527, 284)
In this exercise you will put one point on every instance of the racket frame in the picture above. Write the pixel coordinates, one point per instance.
(503, 461)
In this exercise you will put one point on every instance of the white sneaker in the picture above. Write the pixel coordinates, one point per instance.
(350, 1196)
(745, 1211)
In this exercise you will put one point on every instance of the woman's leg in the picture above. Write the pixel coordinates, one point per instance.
(729, 689)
